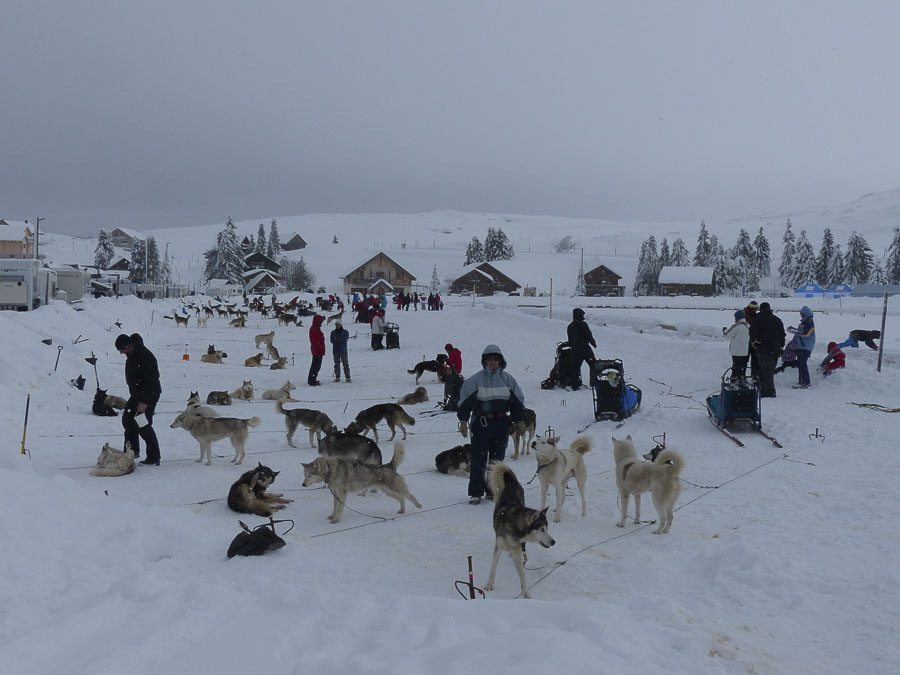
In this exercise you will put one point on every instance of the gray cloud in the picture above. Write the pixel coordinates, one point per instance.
(183, 113)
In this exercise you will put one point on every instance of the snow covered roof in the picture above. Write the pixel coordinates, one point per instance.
(811, 287)
(686, 275)
(14, 230)
(251, 274)
(134, 234)
(382, 282)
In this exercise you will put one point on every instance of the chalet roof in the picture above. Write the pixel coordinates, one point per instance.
(14, 230)
(260, 256)
(505, 267)
(617, 276)
(382, 282)
(296, 236)
(371, 258)
(250, 274)
(686, 275)
(134, 234)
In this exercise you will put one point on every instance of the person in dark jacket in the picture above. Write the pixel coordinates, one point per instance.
(750, 312)
(767, 338)
(339, 337)
(144, 390)
(581, 340)
(857, 336)
(492, 400)
(317, 349)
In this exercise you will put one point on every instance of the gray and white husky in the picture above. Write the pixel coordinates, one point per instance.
(555, 467)
(341, 445)
(208, 430)
(514, 523)
(316, 421)
(245, 391)
(634, 477)
(194, 407)
(112, 462)
(344, 476)
(283, 393)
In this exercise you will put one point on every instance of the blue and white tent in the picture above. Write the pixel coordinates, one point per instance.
(838, 291)
(810, 290)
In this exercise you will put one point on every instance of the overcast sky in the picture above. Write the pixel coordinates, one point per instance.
(161, 114)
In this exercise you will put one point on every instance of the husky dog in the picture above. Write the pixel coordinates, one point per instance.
(272, 351)
(254, 361)
(519, 430)
(344, 476)
(264, 337)
(455, 461)
(281, 394)
(218, 398)
(433, 366)
(117, 402)
(181, 320)
(207, 430)
(215, 357)
(280, 364)
(661, 477)
(341, 445)
(514, 523)
(317, 422)
(194, 407)
(201, 321)
(336, 317)
(248, 493)
(391, 413)
(99, 407)
(286, 319)
(418, 396)
(244, 392)
(556, 467)
(239, 322)
(112, 462)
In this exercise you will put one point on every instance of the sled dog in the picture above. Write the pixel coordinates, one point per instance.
(194, 407)
(272, 352)
(433, 366)
(248, 493)
(215, 357)
(254, 361)
(244, 392)
(280, 364)
(418, 396)
(519, 430)
(393, 414)
(514, 523)
(341, 445)
(555, 467)
(112, 462)
(283, 393)
(455, 461)
(317, 422)
(661, 477)
(201, 321)
(181, 320)
(344, 476)
(286, 319)
(100, 407)
(114, 401)
(264, 337)
(208, 430)
(239, 322)
(335, 317)
(218, 398)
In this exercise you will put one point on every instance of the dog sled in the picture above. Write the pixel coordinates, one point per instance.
(453, 382)
(391, 336)
(566, 371)
(613, 398)
(738, 400)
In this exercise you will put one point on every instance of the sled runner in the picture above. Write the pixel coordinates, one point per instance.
(737, 400)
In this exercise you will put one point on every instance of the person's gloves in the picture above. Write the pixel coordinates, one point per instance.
(791, 329)
(463, 428)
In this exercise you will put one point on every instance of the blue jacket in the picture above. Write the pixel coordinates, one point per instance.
(806, 331)
(339, 337)
(491, 393)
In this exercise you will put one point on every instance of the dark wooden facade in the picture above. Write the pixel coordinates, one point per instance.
(484, 279)
(602, 281)
(379, 266)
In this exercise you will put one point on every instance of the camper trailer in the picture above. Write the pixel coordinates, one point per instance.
(72, 281)
(19, 288)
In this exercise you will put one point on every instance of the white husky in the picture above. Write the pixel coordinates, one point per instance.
(556, 467)
(281, 394)
(112, 462)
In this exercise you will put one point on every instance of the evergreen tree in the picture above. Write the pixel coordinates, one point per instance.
(261, 246)
(803, 265)
(504, 246)
(680, 256)
(154, 267)
(212, 261)
(165, 277)
(137, 267)
(836, 272)
(229, 256)
(785, 269)
(497, 246)
(704, 251)
(823, 262)
(580, 285)
(742, 267)
(762, 255)
(892, 270)
(474, 251)
(878, 274)
(435, 286)
(665, 258)
(274, 248)
(105, 250)
(723, 271)
(859, 260)
(647, 277)
(295, 275)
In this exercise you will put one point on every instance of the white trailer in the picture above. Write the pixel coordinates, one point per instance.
(19, 288)
(72, 281)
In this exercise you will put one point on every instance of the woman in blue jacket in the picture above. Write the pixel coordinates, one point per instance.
(806, 340)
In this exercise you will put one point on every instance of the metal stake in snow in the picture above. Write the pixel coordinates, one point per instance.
(470, 584)
(881, 342)
(25, 428)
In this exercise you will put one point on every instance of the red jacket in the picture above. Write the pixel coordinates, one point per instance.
(316, 336)
(835, 359)
(454, 357)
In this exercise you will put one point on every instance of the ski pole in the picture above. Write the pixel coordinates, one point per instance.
(25, 428)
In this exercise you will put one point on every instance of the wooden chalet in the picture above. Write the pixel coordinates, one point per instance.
(686, 281)
(125, 238)
(378, 267)
(259, 280)
(604, 282)
(16, 239)
(483, 279)
(260, 261)
(294, 243)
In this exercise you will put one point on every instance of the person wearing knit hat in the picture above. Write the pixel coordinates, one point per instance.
(144, 389)
(738, 346)
(580, 340)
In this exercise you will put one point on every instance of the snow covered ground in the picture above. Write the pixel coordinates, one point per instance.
(779, 560)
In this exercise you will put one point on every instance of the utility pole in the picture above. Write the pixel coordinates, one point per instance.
(37, 237)
(146, 260)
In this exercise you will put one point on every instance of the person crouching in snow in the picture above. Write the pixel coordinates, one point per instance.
(835, 359)
(866, 336)
(739, 345)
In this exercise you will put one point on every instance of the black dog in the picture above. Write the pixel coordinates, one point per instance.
(455, 461)
(431, 366)
(100, 408)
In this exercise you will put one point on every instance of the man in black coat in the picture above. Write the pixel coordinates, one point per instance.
(144, 389)
(767, 338)
(581, 340)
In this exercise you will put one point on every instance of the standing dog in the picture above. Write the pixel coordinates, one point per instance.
(272, 351)
(248, 493)
(195, 408)
(391, 413)
(433, 366)
(661, 477)
(341, 445)
(239, 322)
(520, 429)
(316, 421)
(208, 430)
(181, 320)
(344, 476)
(254, 361)
(244, 392)
(514, 523)
(556, 467)
(264, 337)
(455, 461)
(283, 393)
(418, 396)
(112, 462)
(201, 321)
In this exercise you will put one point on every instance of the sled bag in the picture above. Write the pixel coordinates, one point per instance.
(255, 542)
